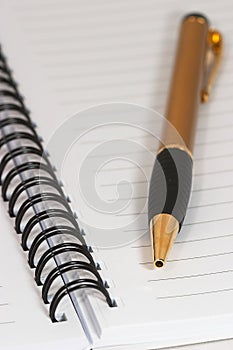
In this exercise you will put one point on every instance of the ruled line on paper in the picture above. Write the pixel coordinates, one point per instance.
(209, 205)
(189, 224)
(185, 224)
(137, 229)
(49, 51)
(213, 157)
(101, 73)
(42, 38)
(201, 256)
(188, 241)
(147, 137)
(100, 10)
(207, 221)
(194, 294)
(153, 138)
(135, 182)
(148, 262)
(191, 276)
(103, 63)
(189, 207)
(207, 256)
(109, 85)
(147, 181)
(64, 8)
(212, 142)
(67, 101)
(53, 22)
(214, 172)
(212, 188)
(109, 6)
(7, 322)
(125, 183)
(133, 152)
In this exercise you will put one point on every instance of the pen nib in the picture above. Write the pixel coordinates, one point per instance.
(164, 229)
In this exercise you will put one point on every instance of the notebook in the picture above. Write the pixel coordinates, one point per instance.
(92, 75)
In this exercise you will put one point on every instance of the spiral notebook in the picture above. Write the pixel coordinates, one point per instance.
(65, 282)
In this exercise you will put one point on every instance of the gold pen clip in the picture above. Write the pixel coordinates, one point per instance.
(213, 59)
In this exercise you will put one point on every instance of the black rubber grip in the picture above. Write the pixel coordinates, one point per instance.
(170, 184)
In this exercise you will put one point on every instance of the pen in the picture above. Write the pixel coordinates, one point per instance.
(198, 56)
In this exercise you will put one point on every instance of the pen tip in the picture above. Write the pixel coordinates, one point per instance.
(164, 229)
(159, 263)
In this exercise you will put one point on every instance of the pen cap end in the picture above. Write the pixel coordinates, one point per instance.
(196, 15)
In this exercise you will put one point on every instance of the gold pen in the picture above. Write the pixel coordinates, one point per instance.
(198, 56)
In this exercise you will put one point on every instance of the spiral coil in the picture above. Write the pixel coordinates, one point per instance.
(23, 149)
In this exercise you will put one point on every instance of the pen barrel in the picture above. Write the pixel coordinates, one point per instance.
(170, 184)
(187, 79)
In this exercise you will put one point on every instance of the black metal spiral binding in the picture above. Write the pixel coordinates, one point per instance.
(37, 198)
(59, 249)
(50, 232)
(45, 215)
(78, 284)
(66, 267)
(20, 169)
(32, 182)
(19, 151)
(20, 136)
(47, 190)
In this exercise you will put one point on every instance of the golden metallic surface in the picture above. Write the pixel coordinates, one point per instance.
(164, 229)
(178, 146)
(214, 57)
(187, 80)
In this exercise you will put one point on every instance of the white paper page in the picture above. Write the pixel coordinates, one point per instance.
(24, 320)
(124, 52)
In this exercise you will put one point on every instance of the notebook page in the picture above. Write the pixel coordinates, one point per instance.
(22, 313)
(199, 271)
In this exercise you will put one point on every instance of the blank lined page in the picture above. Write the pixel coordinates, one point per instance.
(74, 55)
